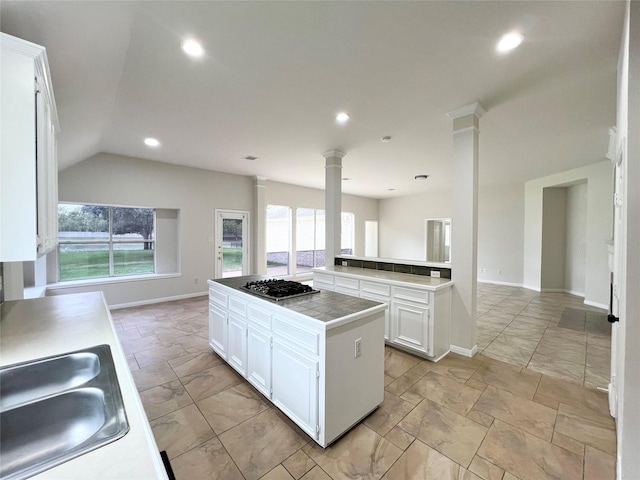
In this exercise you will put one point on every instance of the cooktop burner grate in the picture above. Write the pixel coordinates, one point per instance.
(278, 289)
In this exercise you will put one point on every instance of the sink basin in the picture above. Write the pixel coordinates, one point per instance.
(57, 408)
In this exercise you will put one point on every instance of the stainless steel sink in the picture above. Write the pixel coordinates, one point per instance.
(57, 408)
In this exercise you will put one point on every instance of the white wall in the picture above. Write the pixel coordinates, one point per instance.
(576, 239)
(599, 178)
(196, 193)
(554, 238)
(294, 196)
(500, 234)
(401, 227)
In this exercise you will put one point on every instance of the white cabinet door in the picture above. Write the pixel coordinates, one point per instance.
(381, 299)
(237, 344)
(218, 330)
(295, 386)
(410, 325)
(259, 359)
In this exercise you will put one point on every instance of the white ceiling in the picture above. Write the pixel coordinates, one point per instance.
(276, 73)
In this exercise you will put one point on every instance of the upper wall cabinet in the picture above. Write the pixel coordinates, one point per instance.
(28, 161)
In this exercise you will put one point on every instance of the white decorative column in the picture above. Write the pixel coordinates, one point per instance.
(332, 204)
(464, 228)
(259, 226)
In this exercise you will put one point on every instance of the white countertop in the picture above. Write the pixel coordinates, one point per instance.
(48, 326)
(393, 278)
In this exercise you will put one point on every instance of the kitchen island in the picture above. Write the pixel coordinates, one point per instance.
(49, 326)
(319, 358)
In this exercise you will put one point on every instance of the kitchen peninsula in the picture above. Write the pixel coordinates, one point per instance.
(319, 358)
(419, 315)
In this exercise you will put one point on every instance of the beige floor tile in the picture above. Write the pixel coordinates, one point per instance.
(361, 454)
(132, 363)
(589, 431)
(316, 473)
(191, 343)
(421, 462)
(180, 431)
(210, 381)
(208, 460)
(598, 465)
(401, 385)
(158, 355)
(298, 464)
(568, 443)
(480, 417)
(528, 456)
(388, 414)
(451, 434)
(194, 363)
(596, 379)
(278, 473)
(449, 393)
(552, 391)
(508, 378)
(261, 443)
(397, 363)
(527, 331)
(165, 398)
(557, 367)
(485, 470)
(517, 411)
(567, 350)
(455, 366)
(230, 407)
(412, 398)
(516, 350)
(139, 344)
(399, 438)
(153, 376)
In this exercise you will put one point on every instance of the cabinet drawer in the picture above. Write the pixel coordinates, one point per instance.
(322, 278)
(346, 283)
(238, 306)
(298, 338)
(258, 316)
(421, 296)
(218, 297)
(374, 288)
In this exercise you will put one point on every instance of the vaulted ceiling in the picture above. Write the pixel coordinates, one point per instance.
(276, 73)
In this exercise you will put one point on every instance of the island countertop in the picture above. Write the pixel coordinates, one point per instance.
(49, 326)
(392, 278)
(330, 308)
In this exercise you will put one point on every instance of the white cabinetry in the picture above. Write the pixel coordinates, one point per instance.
(418, 317)
(237, 344)
(259, 359)
(28, 161)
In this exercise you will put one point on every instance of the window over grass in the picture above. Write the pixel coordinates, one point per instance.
(97, 241)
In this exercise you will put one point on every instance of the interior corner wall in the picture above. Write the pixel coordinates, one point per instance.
(196, 193)
(599, 178)
(401, 226)
(554, 238)
(295, 196)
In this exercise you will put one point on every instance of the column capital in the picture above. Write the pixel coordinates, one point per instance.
(333, 154)
(471, 109)
(258, 181)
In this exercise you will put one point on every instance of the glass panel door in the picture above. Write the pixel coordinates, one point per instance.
(232, 244)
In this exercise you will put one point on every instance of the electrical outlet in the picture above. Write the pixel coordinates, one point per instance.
(435, 273)
(357, 352)
(345, 263)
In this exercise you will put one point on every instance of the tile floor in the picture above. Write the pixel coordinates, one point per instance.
(488, 417)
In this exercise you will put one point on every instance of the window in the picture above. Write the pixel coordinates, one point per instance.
(347, 233)
(310, 239)
(278, 240)
(97, 241)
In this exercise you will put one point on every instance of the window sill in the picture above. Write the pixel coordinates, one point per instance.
(108, 281)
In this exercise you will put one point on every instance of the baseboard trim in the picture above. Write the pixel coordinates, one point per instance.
(603, 306)
(531, 287)
(496, 282)
(465, 352)
(157, 300)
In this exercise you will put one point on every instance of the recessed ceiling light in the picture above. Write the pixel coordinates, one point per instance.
(151, 142)
(385, 139)
(390, 189)
(342, 117)
(509, 41)
(250, 157)
(421, 177)
(192, 47)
